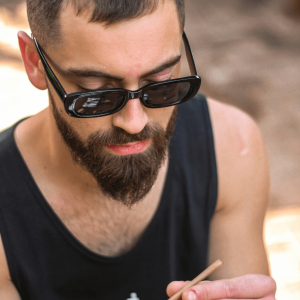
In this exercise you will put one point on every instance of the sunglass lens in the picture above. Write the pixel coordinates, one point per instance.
(97, 104)
(166, 94)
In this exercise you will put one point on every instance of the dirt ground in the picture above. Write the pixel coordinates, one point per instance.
(248, 54)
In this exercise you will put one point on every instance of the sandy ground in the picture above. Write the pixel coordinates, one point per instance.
(248, 54)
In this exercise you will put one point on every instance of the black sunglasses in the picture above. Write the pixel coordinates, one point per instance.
(106, 102)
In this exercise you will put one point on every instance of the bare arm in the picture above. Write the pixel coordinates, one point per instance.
(7, 288)
(236, 232)
(236, 229)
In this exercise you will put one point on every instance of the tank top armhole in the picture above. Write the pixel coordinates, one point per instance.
(213, 172)
(12, 268)
(8, 254)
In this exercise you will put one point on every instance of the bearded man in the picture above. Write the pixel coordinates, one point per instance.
(129, 181)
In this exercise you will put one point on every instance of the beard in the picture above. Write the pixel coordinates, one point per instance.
(124, 178)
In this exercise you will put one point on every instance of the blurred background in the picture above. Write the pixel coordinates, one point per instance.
(248, 55)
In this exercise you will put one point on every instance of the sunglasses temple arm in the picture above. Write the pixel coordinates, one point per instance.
(189, 55)
(51, 76)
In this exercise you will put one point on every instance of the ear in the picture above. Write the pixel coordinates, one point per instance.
(32, 62)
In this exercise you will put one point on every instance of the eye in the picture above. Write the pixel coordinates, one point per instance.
(146, 82)
(81, 89)
(104, 87)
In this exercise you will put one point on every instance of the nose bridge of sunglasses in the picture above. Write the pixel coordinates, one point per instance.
(134, 94)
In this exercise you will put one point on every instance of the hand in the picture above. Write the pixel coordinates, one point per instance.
(252, 286)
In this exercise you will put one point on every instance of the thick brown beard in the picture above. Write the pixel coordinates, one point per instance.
(124, 178)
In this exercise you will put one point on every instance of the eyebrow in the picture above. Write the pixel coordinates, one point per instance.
(94, 73)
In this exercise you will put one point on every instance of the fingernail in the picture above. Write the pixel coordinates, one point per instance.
(192, 295)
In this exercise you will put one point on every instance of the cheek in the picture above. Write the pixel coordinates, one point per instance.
(161, 115)
(86, 127)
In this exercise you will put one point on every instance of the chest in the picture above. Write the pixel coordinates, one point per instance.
(108, 230)
(105, 226)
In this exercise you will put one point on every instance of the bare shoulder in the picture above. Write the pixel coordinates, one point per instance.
(241, 158)
(243, 194)
(7, 289)
(234, 130)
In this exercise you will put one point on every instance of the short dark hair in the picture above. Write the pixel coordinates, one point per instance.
(43, 15)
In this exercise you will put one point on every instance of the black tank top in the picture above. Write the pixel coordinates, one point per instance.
(46, 262)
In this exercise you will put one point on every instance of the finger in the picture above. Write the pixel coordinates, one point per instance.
(175, 286)
(244, 287)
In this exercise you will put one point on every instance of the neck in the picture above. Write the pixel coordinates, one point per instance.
(104, 226)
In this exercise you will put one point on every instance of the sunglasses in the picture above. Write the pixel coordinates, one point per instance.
(101, 103)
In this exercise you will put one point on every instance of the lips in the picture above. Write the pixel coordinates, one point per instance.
(130, 148)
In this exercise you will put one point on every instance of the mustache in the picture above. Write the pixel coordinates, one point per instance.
(118, 136)
(129, 178)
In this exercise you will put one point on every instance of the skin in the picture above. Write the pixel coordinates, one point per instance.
(129, 50)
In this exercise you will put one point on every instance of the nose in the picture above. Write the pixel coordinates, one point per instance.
(132, 117)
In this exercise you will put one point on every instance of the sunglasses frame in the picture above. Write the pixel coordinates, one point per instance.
(69, 100)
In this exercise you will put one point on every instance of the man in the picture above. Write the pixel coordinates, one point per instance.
(99, 198)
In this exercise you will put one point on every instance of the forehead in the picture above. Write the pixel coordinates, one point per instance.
(140, 42)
